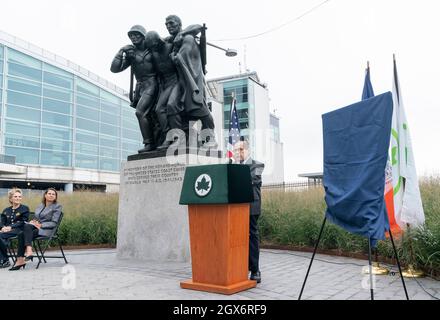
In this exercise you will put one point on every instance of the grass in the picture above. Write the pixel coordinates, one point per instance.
(294, 219)
(89, 218)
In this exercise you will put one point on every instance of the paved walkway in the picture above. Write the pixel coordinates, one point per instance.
(97, 274)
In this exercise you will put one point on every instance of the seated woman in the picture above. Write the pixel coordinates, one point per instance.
(44, 222)
(12, 222)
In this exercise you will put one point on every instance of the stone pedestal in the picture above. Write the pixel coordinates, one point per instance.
(151, 223)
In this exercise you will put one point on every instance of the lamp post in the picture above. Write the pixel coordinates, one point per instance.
(228, 52)
(204, 43)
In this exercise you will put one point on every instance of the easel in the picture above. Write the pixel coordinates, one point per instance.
(369, 262)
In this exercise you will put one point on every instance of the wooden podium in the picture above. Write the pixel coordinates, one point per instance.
(218, 198)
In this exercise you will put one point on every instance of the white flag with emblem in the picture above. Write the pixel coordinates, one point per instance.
(408, 207)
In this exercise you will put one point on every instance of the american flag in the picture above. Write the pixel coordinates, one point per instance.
(234, 129)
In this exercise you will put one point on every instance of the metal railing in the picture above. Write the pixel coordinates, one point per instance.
(292, 186)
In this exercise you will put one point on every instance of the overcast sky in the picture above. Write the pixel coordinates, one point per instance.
(312, 66)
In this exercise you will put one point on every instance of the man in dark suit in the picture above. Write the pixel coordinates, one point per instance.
(242, 155)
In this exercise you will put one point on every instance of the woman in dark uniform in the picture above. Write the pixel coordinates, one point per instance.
(12, 221)
(44, 222)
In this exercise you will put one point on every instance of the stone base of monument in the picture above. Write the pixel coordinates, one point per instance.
(151, 223)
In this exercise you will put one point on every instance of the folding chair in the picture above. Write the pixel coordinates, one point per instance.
(46, 241)
(11, 251)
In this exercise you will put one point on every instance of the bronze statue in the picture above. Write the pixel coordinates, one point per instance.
(170, 89)
(187, 57)
(169, 108)
(141, 61)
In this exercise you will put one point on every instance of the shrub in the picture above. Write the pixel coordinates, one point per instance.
(295, 218)
(89, 217)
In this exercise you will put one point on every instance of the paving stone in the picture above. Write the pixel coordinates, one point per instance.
(99, 275)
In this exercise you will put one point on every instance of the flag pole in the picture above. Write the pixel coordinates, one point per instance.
(313, 257)
(398, 264)
(370, 267)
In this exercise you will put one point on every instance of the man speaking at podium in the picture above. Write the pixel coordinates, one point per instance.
(242, 155)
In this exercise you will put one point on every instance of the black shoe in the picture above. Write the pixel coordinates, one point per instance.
(148, 147)
(256, 276)
(5, 264)
(27, 258)
(14, 268)
(164, 145)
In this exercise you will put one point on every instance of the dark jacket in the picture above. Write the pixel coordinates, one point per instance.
(48, 217)
(14, 218)
(256, 172)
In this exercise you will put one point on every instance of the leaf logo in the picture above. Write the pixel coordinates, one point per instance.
(203, 185)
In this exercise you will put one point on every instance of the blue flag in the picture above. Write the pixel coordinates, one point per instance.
(368, 88)
(356, 140)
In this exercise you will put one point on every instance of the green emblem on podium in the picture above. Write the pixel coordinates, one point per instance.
(203, 185)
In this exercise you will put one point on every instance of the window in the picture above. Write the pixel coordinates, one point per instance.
(130, 146)
(24, 72)
(239, 88)
(128, 113)
(53, 69)
(87, 113)
(57, 93)
(109, 142)
(58, 119)
(109, 164)
(85, 148)
(86, 87)
(244, 124)
(109, 152)
(109, 130)
(240, 98)
(17, 140)
(57, 106)
(56, 133)
(25, 128)
(22, 155)
(25, 86)
(108, 97)
(22, 99)
(88, 125)
(111, 108)
(23, 113)
(132, 125)
(87, 101)
(53, 158)
(85, 161)
(23, 59)
(56, 145)
(125, 154)
(87, 138)
(108, 118)
(132, 135)
(58, 80)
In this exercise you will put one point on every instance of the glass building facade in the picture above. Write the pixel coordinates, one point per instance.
(53, 117)
(242, 89)
(245, 109)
